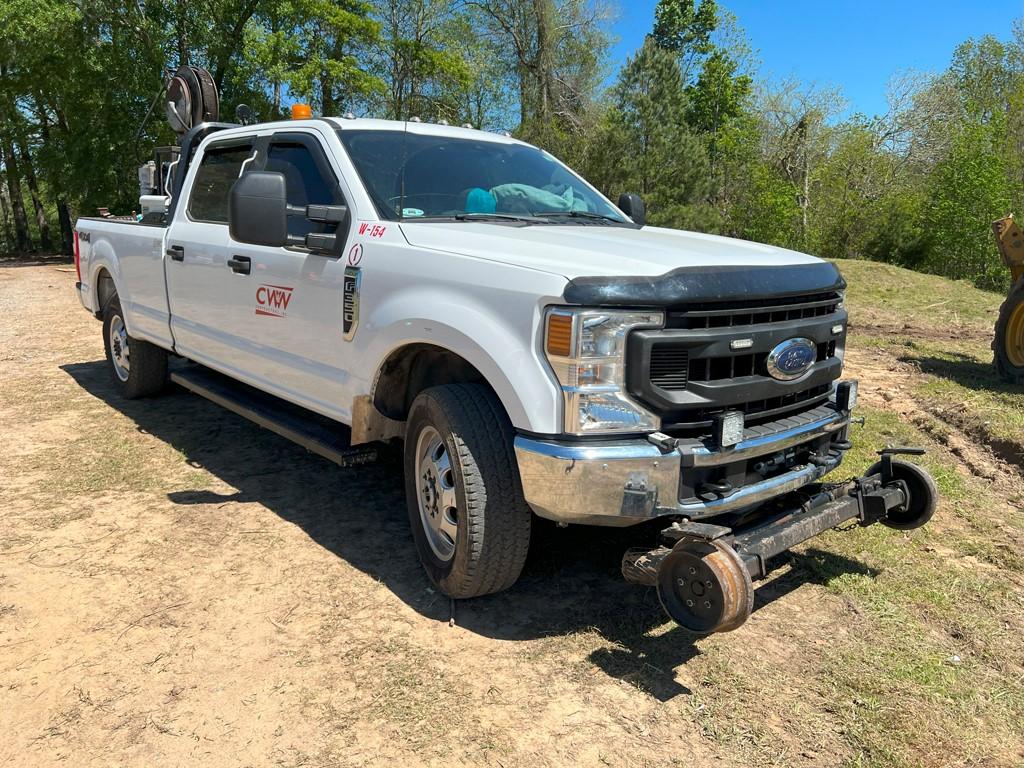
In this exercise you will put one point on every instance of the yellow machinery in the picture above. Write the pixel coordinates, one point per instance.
(1008, 344)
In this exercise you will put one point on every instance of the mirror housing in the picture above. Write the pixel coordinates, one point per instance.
(633, 206)
(258, 209)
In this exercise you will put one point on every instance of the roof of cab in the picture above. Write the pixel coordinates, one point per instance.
(372, 124)
(420, 127)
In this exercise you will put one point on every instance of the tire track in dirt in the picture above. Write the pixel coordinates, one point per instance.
(887, 384)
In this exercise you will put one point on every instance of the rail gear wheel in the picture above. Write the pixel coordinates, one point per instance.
(192, 99)
(922, 494)
(1008, 344)
(705, 587)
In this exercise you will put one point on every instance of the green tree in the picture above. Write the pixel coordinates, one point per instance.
(685, 28)
(646, 145)
(968, 190)
(423, 72)
(553, 50)
(334, 36)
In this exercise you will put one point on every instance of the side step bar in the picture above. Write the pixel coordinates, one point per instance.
(313, 432)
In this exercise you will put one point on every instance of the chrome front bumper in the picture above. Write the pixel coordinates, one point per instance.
(625, 482)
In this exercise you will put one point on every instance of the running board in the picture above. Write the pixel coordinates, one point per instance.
(313, 432)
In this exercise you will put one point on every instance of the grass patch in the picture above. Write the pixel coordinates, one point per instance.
(111, 459)
(944, 329)
(932, 676)
(899, 296)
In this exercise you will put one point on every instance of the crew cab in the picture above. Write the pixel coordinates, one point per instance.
(537, 350)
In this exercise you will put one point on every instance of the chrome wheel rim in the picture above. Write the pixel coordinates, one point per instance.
(435, 486)
(120, 353)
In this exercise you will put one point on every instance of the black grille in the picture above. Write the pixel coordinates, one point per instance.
(672, 368)
(730, 314)
(755, 410)
(669, 367)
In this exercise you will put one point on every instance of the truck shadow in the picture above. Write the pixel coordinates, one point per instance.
(571, 582)
(965, 371)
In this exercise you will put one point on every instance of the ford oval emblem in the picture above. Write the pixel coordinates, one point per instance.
(792, 359)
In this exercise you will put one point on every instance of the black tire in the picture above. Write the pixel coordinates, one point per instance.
(924, 495)
(146, 374)
(1012, 307)
(492, 518)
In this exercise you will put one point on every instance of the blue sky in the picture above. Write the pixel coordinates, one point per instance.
(857, 46)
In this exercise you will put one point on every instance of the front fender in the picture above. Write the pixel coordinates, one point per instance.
(502, 346)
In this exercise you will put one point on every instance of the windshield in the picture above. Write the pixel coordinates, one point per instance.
(412, 176)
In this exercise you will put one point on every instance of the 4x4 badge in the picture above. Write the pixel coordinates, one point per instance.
(350, 301)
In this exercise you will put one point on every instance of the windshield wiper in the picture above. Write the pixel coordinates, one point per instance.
(498, 217)
(581, 215)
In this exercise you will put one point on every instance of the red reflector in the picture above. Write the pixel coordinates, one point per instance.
(78, 258)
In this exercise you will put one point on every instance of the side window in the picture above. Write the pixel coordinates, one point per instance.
(217, 172)
(309, 180)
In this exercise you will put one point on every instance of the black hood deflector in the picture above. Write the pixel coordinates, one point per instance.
(699, 284)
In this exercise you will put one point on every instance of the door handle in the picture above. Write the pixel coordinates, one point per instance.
(240, 264)
(176, 252)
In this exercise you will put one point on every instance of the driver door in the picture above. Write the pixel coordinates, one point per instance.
(287, 302)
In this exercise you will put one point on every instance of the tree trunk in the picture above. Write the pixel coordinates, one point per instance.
(545, 61)
(45, 243)
(181, 35)
(22, 241)
(67, 237)
(67, 241)
(806, 201)
(6, 238)
(326, 95)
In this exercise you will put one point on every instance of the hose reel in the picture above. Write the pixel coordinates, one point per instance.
(192, 99)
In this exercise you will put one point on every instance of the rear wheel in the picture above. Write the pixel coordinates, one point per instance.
(469, 519)
(1008, 344)
(138, 368)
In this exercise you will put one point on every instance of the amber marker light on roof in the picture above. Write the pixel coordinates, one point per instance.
(301, 112)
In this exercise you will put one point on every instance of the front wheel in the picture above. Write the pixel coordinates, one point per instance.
(138, 368)
(469, 519)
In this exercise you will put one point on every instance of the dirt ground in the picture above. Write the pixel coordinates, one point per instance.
(178, 587)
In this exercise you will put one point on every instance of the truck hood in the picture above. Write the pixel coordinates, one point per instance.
(579, 251)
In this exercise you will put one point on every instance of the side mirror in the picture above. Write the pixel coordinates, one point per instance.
(633, 206)
(258, 209)
(327, 243)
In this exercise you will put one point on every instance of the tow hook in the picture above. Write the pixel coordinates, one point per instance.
(704, 573)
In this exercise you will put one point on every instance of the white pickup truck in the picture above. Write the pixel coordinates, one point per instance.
(539, 350)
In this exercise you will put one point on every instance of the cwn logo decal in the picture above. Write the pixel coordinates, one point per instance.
(273, 300)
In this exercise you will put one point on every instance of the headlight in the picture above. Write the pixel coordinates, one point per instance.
(587, 351)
